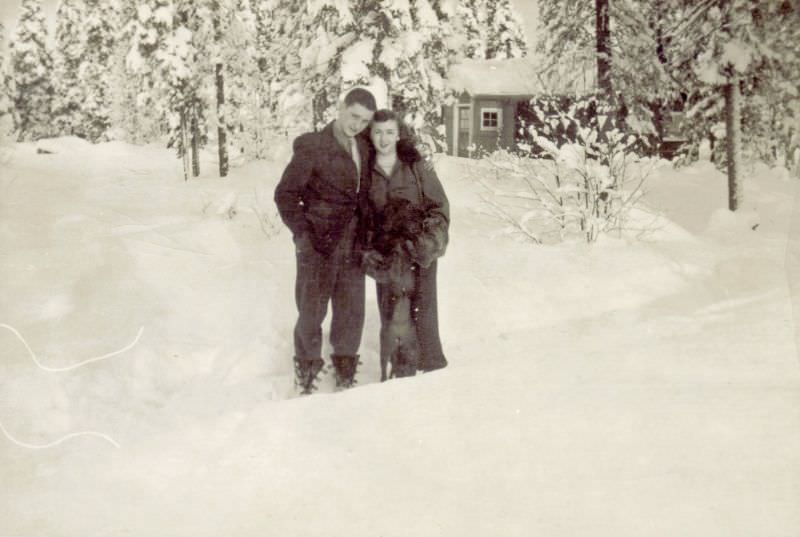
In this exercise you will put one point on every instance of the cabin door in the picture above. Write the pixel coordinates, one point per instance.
(464, 121)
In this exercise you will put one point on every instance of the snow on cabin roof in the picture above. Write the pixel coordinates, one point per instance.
(494, 77)
(517, 76)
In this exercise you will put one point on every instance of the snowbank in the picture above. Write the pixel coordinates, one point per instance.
(63, 145)
(628, 388)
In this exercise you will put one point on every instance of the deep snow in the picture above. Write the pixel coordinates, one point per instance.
(633, 387)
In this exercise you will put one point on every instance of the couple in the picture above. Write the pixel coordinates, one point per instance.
(359, 204)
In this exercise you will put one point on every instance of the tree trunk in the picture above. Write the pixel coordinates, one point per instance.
(733, 140)
(221, 132)
(195, 144)
(603, 49)
(319, 105)
(185, 145)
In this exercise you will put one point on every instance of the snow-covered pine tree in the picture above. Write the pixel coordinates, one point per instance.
(5, 104)
(505, 37)
(6, 109)
(283, 34)
(622, 52)
(164, 53)
(602, 40)
(95, 74)
(218, 13)
(405, 46)
(411, 52)
(716, 57)
(133, 117)
(738, 55)
(69, 95)
(265, 85)
(473, 25)
(772, 114)
(566, 34)
(327, 29)
(242, 96)
(186, 81)
(147, 31)
(30, 67)
(440, 51)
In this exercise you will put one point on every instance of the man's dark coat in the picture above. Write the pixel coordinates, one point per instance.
(316, 196)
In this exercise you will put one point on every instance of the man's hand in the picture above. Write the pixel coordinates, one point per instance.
(371, 258)
(303, 244)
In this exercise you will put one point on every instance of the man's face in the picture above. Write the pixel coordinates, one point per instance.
(354, 118)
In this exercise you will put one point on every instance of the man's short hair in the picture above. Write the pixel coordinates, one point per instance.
(362, 97)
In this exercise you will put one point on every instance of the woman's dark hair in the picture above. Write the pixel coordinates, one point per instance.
(384, 114)
(406, 151)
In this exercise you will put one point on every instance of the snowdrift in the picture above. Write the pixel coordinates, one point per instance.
(634, 387)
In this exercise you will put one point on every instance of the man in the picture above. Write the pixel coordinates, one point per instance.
(320, 197)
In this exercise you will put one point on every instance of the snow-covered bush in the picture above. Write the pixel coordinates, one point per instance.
(559, 118)
(575, 189)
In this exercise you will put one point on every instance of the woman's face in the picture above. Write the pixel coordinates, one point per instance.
(385, 136)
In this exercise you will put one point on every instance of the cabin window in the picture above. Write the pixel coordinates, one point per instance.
(491, 119)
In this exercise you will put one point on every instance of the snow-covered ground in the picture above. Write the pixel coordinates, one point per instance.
(643, 387)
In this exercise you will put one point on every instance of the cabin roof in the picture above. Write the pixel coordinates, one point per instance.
(517, 77)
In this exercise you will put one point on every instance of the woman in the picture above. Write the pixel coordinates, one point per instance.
(407, 230)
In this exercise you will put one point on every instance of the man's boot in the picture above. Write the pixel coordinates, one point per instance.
(345, 367)
(306, 371)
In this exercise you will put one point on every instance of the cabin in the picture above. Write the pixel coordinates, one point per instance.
(484, 115)
(493, 101)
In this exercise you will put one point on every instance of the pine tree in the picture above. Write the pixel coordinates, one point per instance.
(147, 32)
(505, 37)
(239, 88)
(70, 47)
(133, 116)
(182, 65)
(29, 73)
(324, 37)
(489, 29)
(6, 110)
(473, 25)
(265, 85)
(717, 59)
(402, 49)
(165, 51)
(566, 33)
(619, 48)
(95, 75)
(742, 57)
(219, 18)
(603, 49)
(407, 46)
(283, 33)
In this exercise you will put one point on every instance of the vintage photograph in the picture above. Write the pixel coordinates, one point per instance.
(399, 268)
